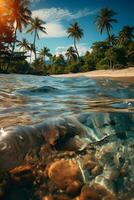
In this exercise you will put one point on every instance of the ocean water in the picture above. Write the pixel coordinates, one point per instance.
(28, 99)
(93, 118)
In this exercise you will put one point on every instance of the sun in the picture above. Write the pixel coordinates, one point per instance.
(4, 10)
(2, 5)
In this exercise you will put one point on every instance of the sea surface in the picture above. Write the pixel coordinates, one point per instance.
(79, 121)
(28, 99)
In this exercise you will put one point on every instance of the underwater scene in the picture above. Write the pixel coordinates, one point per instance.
(66, 138)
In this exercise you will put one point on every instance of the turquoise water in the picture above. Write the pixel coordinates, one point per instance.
(80, 115)
(27, 99)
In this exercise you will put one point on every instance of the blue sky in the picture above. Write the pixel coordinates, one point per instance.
(58, 15)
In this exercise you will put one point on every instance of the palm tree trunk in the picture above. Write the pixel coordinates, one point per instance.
(35, 35)
(15, 34)
(109, 35)
(76, 49)
(113, 65)
(44, 60)
(108, 32)
(110, 63)
(50, 61)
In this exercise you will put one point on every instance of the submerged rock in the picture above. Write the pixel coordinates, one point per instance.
(66, 175)
(69, 158)
(104, 186)
(17, 142)
(89, 192)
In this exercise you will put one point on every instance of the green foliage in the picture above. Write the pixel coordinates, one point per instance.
(36, 25)
(37, 67)
(102, 64)
(126, 35)
(116, 51)
(130, 53)
(15, 66)
(71, 55)
(76, 33)
(45, 52)
(98, 51)
(117, 56)
(89, 62)
(104, 20)
(73, 68)
(59, 61)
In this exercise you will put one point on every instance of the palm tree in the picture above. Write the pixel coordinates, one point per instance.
(50, 58)
(71, 54)
(20, 15)
(76, 33)
(126, 34)
(32, 49)
(113, 40)
(60, 60)
(53, 59)
(6, 35)
(45, 52)
(36, 26)
(24, 44)
(104, 20)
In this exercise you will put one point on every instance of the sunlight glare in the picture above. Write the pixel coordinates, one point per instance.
(4, 10)
(2, 133)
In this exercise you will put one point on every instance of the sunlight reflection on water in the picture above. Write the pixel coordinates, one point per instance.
(27, 99)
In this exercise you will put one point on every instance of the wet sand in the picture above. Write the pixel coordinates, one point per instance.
(123, 74)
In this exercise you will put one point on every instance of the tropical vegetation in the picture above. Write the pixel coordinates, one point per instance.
(36, 25)
(16, 56)
(76, 33)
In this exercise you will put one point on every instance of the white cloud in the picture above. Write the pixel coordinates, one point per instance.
(54, 17)
(54, 30)
(58, 14)
(82, 48)
(52, 14)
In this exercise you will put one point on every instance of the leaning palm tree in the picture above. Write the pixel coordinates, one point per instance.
(36, 26)
(71, 54)
(24, 44)
(45, 52)
(76, 33)
(126, 34)
(19, 16)
(104, 20)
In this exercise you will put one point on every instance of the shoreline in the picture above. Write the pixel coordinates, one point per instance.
(114, 74)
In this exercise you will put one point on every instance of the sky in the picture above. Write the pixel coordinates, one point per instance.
(59, 14)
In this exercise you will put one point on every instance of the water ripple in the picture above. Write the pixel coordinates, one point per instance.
(27, 99)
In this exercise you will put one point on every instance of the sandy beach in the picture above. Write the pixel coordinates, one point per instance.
(122, 73)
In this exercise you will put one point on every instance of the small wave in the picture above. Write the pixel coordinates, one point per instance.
(43, 89)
